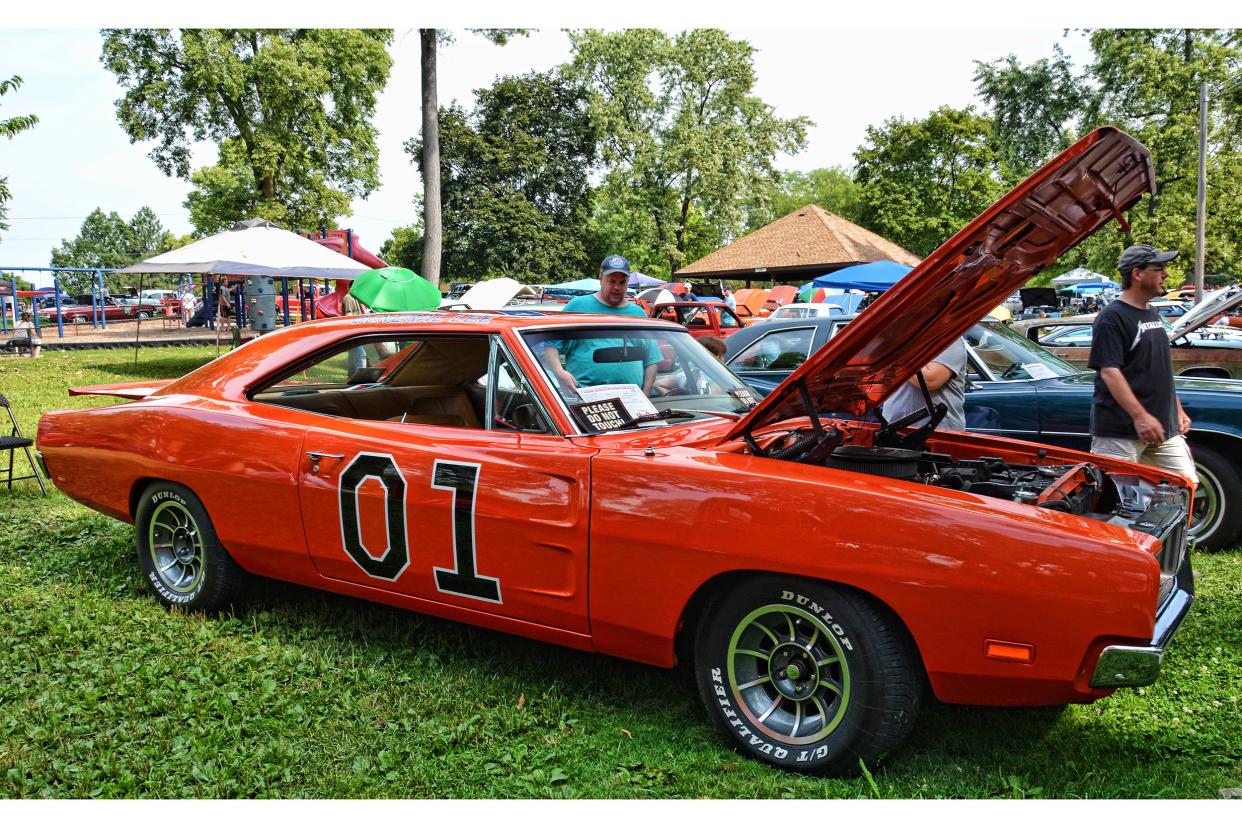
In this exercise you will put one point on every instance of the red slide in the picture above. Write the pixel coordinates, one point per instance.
(345, 243)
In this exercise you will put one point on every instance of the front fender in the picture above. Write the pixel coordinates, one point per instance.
(956, 568)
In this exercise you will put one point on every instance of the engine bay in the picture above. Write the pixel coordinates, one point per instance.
(1083, 488)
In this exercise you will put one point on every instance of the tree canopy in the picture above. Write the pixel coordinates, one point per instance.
(289, 110)
(832, 188)
(688, 148)
(514, 181)
(1147, 82)
(924, 180)
(105, 240)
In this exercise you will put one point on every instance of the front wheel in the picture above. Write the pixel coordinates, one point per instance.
(1216, 514)
(807, 676)
(180, 555)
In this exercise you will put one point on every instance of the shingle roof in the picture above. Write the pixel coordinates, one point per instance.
(809, 237)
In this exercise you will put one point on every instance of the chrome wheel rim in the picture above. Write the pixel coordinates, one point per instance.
(1205, 510)
(788, 674)
(176, 547)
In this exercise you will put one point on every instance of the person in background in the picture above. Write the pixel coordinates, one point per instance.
(728, 297)
(224, 303)
(946, 382)
(580, 367)
(1135, 412)
(715, 345)
(36, 344)
(188, 305)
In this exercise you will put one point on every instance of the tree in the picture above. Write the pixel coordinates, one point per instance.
(515, 180)
(289, 109)
(924, 180)
(688, 149)
(429, 159)
(9, 128)
(832, 188)
(107, 241)
(1033, 109)
(1147, 82)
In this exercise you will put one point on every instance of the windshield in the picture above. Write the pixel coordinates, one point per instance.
(607, 377)
(1009, 356)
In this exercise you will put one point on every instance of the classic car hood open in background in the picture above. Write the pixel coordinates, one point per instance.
(1066, 200)
(1213, 305)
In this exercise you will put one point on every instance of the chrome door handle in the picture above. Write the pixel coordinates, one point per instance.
(316, 456)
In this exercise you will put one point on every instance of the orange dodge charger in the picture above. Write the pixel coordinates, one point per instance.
(819, 568)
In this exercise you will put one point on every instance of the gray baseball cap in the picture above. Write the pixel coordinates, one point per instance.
(1141, 255)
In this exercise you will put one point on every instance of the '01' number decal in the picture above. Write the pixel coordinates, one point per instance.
(462, 479)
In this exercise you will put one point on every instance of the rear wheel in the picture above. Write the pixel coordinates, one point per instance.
(78, 319)
(144, 314)
(807, 676)
(1216, 513)
(179, 553)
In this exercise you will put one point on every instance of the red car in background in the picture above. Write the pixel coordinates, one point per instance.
(700, 318)
(113, 311)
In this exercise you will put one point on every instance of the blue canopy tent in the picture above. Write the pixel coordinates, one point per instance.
(1094, 287)
(578, 287)
(642, 280)
(872, 276)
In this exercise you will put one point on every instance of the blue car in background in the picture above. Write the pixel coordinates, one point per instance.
(1017, 389)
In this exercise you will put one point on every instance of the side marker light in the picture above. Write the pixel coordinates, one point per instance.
(1009, 651)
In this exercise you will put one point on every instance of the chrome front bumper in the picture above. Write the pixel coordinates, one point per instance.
(1125, 666)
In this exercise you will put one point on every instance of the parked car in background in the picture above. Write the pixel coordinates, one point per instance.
(1169, 309)
(1199, 350)
(112, 311)
(1018, 389)
(712, 318)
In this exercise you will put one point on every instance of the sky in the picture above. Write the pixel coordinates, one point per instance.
(844, 72)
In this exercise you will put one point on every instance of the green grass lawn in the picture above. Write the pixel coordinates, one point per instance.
(304, 694)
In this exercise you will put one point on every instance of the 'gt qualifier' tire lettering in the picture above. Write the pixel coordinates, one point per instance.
(461, 479)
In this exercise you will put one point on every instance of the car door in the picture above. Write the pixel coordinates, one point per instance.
(489, 515)
(997, 407)
(727, 321)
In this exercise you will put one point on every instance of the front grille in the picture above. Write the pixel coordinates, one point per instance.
(1165, 519)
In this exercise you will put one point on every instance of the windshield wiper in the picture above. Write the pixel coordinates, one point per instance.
(672, 414)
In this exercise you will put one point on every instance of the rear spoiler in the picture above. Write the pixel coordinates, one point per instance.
(124, 390)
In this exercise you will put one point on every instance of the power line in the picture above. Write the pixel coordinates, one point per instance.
(62, 218)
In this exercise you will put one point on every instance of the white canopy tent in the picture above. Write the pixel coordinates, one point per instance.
(253, 248)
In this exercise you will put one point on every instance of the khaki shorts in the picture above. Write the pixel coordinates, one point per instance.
(1173, 454)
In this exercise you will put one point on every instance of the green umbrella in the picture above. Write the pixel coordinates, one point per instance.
(394, 289)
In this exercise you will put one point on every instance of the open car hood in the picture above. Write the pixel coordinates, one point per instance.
(492, 294)
(1066, 200)
(1213, 304)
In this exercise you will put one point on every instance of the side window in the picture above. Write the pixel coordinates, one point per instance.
(514, 405)
(426, 380)
(728, 320)
(776, 351)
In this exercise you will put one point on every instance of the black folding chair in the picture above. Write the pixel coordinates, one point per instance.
(14, 442)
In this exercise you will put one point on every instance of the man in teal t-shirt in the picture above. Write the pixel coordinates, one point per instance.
(580, 366)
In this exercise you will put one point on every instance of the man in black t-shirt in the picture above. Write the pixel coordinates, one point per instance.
(1135, 414)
